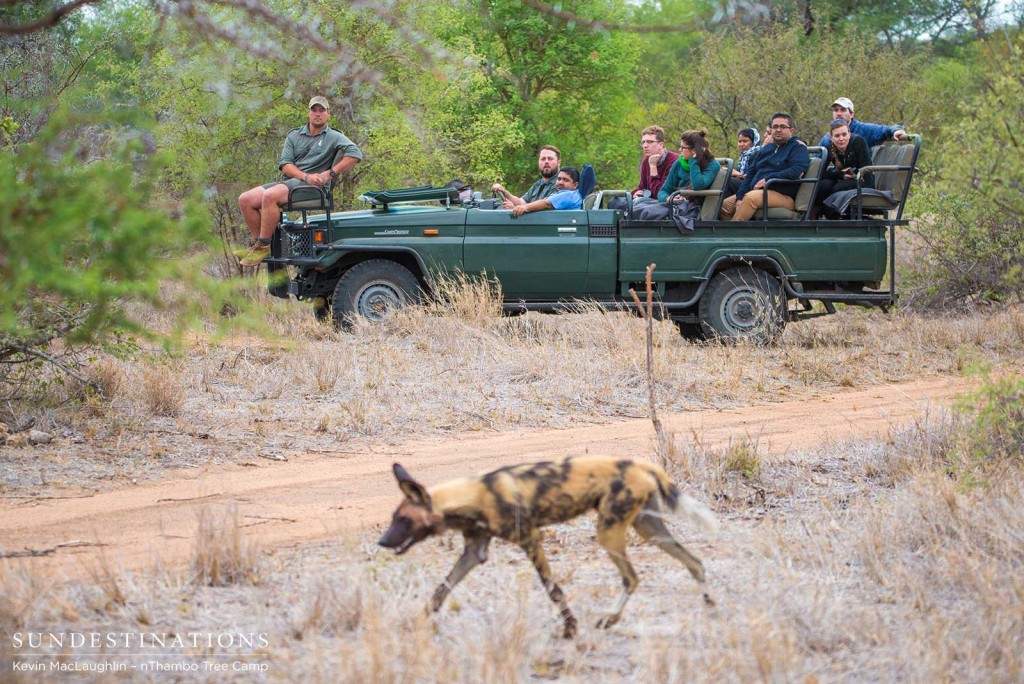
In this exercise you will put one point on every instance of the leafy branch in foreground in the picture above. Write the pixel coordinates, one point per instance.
(82, 238)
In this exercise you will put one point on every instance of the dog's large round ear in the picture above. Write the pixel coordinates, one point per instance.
(412, 489)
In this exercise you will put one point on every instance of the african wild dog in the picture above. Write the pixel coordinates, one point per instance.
(513, 503)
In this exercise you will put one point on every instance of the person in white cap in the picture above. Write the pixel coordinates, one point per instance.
(307, 158)
(874, 134)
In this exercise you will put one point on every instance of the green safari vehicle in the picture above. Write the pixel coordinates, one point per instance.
(722, 279)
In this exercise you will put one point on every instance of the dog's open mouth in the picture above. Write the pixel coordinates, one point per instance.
(405, 546)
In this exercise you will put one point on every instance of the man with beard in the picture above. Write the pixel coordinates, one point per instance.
(548, 162)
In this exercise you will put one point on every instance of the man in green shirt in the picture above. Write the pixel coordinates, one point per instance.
(307, 158)
(549, 161)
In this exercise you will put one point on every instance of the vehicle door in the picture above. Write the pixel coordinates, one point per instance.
(540, 255)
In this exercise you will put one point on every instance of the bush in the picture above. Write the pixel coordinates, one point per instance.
(996, 434)
(968, 253)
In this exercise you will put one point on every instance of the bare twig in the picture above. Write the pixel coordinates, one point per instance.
(191, 498)
(56, 362)
(647, 311)
(35, 553)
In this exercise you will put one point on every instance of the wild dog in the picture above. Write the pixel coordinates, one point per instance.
(515, 502)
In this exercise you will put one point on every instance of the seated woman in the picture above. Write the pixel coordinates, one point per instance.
(696, 169)
(847, 152)
(565, 196)
(747, 140)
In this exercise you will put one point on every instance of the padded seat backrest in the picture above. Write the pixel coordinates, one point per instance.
(588, 180)
(893, 154)
(712, 203)
(311, 197)
(805, 194)
(590, 200)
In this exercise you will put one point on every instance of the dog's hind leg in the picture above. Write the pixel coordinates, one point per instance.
(613, 539)
(532, 546)
(473, 555)
(651, 527)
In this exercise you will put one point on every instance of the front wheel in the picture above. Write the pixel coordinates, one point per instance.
(743, 303)
(371, 290)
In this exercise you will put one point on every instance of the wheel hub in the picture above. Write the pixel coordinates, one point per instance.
(743, 310)
(376, 299)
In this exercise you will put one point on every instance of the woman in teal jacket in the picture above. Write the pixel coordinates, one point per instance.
(696, 167)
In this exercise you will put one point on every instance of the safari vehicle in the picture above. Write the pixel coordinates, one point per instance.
(735, 279)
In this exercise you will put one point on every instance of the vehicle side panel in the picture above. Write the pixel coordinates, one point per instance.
(824, 250)
(440, 252)
(539, 255)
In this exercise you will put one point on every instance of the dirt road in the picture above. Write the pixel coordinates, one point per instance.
(317, 496)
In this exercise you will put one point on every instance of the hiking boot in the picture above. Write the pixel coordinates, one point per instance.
(243, 249)
(256, 254)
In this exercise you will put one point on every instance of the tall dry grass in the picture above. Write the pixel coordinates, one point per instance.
(223, 554)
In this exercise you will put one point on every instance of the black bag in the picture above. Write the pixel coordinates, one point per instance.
(465, 191)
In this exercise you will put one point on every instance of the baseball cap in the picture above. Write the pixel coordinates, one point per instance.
(322, 101)
(844, 102)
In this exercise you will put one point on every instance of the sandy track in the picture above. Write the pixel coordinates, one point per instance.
(315, 496)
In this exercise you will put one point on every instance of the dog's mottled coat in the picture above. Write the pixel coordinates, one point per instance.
(515, 502)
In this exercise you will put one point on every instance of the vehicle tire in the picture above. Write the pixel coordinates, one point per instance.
(370, 289)
(743, 303)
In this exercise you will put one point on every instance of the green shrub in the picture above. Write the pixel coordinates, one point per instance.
(968, 252)
(996, 434)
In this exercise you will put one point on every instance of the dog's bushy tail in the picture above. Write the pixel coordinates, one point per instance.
(682, 504)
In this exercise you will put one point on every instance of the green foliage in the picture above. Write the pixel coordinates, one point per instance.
(973, 215)
(969, 253)
(559, 83)
(82, 237)
(988, 153)
(744, 75)
(997, 432)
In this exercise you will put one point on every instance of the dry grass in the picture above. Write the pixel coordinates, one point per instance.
(897, 560)
(223, 554)
(456, 367)
(834, 576)
(162, 391)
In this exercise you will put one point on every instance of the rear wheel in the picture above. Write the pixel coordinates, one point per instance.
(372, 289)
(743, 303)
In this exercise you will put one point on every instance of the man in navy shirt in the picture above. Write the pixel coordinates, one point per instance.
(782, 157)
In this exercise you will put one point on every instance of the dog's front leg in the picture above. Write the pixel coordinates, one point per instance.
(474, 553)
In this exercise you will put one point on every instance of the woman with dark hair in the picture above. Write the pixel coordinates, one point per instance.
(847, 152)
(696, 167)
(748, 142)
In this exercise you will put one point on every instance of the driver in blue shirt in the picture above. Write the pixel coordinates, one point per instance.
(565, 196)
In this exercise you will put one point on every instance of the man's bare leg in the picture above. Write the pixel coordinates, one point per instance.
(250, 202)
(270, 210)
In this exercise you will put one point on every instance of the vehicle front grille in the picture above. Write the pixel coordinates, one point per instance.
(297, 242)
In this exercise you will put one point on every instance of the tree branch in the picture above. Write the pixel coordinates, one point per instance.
(51, 19)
